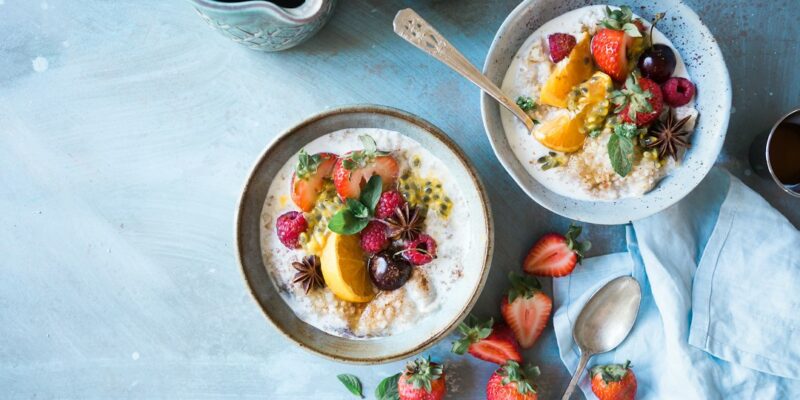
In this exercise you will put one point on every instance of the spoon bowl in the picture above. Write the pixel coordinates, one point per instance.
(605, 321)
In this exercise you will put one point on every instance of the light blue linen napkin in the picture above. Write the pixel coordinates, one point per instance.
(720, 311)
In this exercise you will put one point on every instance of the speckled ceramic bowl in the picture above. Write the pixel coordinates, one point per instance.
(705, 64)
(429, 330)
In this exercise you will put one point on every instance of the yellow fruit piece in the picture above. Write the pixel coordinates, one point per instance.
(577, 68)
(567, 132)
(345, 270)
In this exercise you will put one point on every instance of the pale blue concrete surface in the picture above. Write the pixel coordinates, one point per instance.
(127, 129)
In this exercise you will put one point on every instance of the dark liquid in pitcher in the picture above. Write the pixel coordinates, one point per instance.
(279, 3)
(784, 153)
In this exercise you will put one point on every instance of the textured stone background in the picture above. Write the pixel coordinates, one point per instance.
(127, 129)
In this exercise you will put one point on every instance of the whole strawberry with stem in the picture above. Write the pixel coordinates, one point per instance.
(513, 382)
(613, 381)
(488, 341)
(556, 255)
(526, 309)
(422, 380)
(639, 102)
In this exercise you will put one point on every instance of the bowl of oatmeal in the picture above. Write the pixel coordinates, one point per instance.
(364, 234)
(631, 105)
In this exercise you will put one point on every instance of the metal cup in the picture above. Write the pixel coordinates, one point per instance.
(760, 159)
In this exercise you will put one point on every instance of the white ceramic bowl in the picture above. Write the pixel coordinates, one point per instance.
(705, 64)
(427, 331)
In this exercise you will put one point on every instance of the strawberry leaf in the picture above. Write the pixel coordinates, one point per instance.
(307, 164)
(352, 384)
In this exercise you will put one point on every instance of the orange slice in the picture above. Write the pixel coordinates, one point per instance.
(577, 68)
(345, 270)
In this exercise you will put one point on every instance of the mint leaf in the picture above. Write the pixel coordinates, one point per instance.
(626, 130)
(345, 223)
(620, 151)
(371, 192)
(357, 209)
(352, 384)
(526, 103)
(387, 389)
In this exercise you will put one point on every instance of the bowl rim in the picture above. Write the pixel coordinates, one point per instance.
(597, 218)
(437, 134)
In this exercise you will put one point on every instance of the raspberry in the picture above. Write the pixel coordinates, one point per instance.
(560, 46)
(421, 250)
(678, 91)
(373, 237)
(289, 226)
(388, 202)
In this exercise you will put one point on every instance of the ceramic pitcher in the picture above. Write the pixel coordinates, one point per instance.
(263, 25)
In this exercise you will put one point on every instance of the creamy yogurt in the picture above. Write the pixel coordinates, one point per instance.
(528, 71)
(390, 312)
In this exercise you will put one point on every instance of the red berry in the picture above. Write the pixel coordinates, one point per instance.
(678, 91)
(421, 250)
(289, 226)
(561, 45)
(656, 103)
(373, 237)
(388, 202)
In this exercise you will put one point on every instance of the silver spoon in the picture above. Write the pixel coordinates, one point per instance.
(605, 322)
(411, 27)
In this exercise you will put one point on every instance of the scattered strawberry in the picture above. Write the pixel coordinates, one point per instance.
(512, 382)
(487, 341)
(526, 309)
(422, 380)
(354, 169)
(561, 45)
(421, 250)
(289, 226)
(678, 91)
(613, 381)
(556, 255)
(389, 201)
(609, 47)
(373, 237)
(640, 101)
(309, 177)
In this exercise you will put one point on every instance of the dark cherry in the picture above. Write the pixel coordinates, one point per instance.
(658, 63)
(388, 272)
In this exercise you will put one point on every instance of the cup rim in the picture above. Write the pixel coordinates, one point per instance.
(766, 152)
(290, 14)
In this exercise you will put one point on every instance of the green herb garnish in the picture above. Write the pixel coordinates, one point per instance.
(360, 158)
(620, 148)
(621, 19)
(352, 384)
(526, 103)
(387, 389)
(357, 213)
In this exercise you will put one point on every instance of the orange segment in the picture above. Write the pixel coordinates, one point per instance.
(561, 133)
(577, 68)
(345, 270)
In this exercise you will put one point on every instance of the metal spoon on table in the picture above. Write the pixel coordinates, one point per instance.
(605, 322)
(411, 27)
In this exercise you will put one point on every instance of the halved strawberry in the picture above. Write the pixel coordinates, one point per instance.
(309, 178)
(349, 181)
(526, 309)
(555, 254)
(487, 341)
(609, 49)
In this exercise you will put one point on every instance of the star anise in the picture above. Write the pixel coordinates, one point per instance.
(406, 223)
(309, 273)
(669, 136)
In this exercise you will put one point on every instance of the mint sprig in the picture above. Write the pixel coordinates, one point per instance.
(357, 213)
(620, 148)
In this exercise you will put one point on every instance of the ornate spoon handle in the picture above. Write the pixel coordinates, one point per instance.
(411, 27)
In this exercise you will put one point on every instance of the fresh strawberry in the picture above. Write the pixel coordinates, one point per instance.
(560, 45)
(422, 380)
(309, 178)
(487, 341)
(354, 169)
(556, 255)
(640, 101)
(526, 309)
(613, 381)
(512, 382)
(609, 47)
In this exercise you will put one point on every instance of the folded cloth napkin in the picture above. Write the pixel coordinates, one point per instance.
(720, 311)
